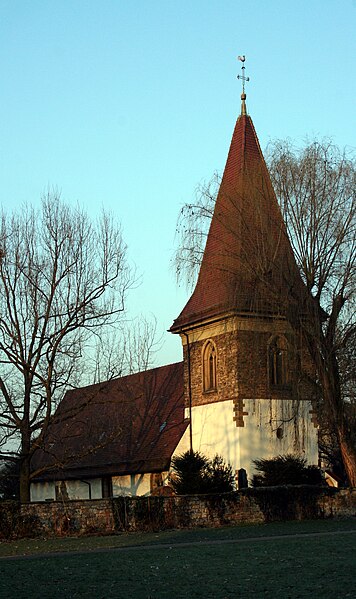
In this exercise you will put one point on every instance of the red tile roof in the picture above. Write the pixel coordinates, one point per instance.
(248, 264)
(127, 425)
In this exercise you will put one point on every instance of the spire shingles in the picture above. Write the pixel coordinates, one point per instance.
(248, 264)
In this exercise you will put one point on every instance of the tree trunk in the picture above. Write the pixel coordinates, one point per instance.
(25, 466)
(334, 406)
(25, 480)
(348, 453)
(326, 366)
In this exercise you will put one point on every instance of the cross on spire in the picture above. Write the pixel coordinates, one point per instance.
(243, 79)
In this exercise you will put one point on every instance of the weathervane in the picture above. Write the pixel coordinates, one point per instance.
(243, 79)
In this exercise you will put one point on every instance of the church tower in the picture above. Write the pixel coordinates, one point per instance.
(246, 371)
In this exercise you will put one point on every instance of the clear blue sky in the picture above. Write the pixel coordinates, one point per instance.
(128, 104)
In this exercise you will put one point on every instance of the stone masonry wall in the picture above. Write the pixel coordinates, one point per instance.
(110, 516)
(226, 370)
(252, 364)
(242, 362)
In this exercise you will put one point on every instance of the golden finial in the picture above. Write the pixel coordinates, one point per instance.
(243, 79)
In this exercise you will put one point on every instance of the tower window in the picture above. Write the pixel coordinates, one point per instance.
(277, 362)
(209, 367)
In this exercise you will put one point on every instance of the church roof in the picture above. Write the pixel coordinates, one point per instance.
(248, 264)
(123, 426)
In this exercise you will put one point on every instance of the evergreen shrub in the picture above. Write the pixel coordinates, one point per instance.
(285, 470)
(194, 473)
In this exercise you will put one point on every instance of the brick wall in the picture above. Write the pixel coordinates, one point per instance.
(106, 516)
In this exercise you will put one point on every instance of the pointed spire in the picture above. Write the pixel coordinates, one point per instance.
(243, 79)
(248, 264)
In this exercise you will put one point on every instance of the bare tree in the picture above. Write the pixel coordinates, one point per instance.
(315, 187)
(126, 349)
(192, 230)
(62, 278)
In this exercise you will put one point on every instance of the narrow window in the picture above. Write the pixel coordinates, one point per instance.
(277, 362)
(156, 481)
(209, 367)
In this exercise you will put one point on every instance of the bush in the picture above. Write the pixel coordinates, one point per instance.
(219, 476)
(285, 470)
(193, 473)
(9, 480)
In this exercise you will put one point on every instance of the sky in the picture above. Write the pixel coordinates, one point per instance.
(128, 105)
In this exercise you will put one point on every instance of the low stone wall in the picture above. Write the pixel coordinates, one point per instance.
(110, 516)
(188, 511)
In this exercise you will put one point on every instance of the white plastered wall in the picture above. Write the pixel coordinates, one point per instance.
(215, 432)
(74, 489)
(43, 491)
(128, 485)
(131, 485)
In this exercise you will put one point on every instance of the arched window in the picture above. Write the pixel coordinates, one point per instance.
(209, 367)
(277, 362)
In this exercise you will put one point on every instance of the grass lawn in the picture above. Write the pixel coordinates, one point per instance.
(206, 563)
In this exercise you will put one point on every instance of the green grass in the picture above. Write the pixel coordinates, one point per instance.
(191, 564)
(40, 546)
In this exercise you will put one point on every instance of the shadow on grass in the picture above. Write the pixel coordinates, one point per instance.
(293, 566)
(54, 545)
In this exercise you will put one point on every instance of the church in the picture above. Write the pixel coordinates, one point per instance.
(244, 388)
